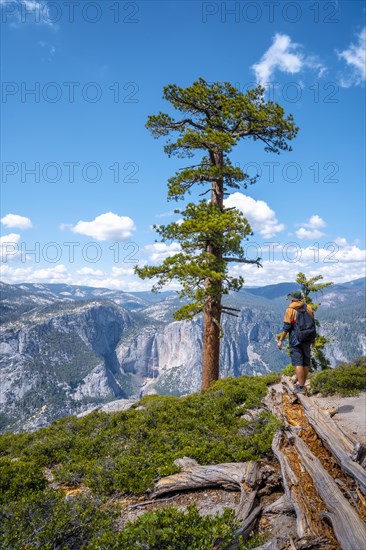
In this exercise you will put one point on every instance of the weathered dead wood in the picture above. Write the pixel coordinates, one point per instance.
(246, 528)
(279, 506)
(273, 402)
(348, 527)
(246, 505)
(230, 475)
(271, 482)
(334, 440)
(359, 454)
(290, 481)
(244, 476)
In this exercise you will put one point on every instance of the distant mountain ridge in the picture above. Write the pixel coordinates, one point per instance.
(66, 349)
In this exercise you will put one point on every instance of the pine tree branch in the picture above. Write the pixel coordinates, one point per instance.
(194, 166)
(230, 308)
(244, 261)
(228, 313)
(176, 125)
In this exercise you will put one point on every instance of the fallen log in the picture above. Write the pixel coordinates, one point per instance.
(348, 527)
(290, 482)
(244, 476)
(231, 475)
(334, 440)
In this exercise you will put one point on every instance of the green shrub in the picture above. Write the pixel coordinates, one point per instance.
(253, 541)
(126, 451)
(49, 521)
(171, 529)
(347, 379)
(289, 370)
(19, 478)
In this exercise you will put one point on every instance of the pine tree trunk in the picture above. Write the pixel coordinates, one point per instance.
(212, 309)
(211, 342)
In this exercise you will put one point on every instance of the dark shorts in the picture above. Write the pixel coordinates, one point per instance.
(300, 355)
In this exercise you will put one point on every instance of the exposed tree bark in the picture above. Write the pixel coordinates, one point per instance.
(247, 527)
(348, 527)
(246, 505)
(211, 340)
(212, 308)
(280, 505)
(290, 482)
(336, 441)
(194, 476)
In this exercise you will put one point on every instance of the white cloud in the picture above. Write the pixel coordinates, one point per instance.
(14, 220)
(315, 222)
(11, 237)
(260, 216)
(52, 274)
(122, 271)
(303, 233)
(106, 227)
(350, 254)
(286, 56)
(90, 271)
(9, 247)
(159, 251)
(341, 241)
(56, 274)
(355, 57)
(311, 228)
(334, 263)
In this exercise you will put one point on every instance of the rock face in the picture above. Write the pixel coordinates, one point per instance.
(66, 350)
(58, 360)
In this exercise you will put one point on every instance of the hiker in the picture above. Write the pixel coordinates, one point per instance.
(299, 324)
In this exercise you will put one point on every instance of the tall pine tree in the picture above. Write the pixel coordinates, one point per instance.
(216, 117)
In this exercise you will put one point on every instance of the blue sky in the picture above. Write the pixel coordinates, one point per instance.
(97, 70)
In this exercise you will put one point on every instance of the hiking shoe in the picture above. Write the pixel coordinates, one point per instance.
(299, 389)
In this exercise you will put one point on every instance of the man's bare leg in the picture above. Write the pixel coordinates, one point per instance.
(302, 374)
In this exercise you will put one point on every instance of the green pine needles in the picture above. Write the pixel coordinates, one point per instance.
(201, 224)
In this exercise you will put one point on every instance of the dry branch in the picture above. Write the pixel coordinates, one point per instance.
(348, 527)
(230, 475)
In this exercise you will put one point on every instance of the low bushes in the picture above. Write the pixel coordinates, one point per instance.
(347, 379)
